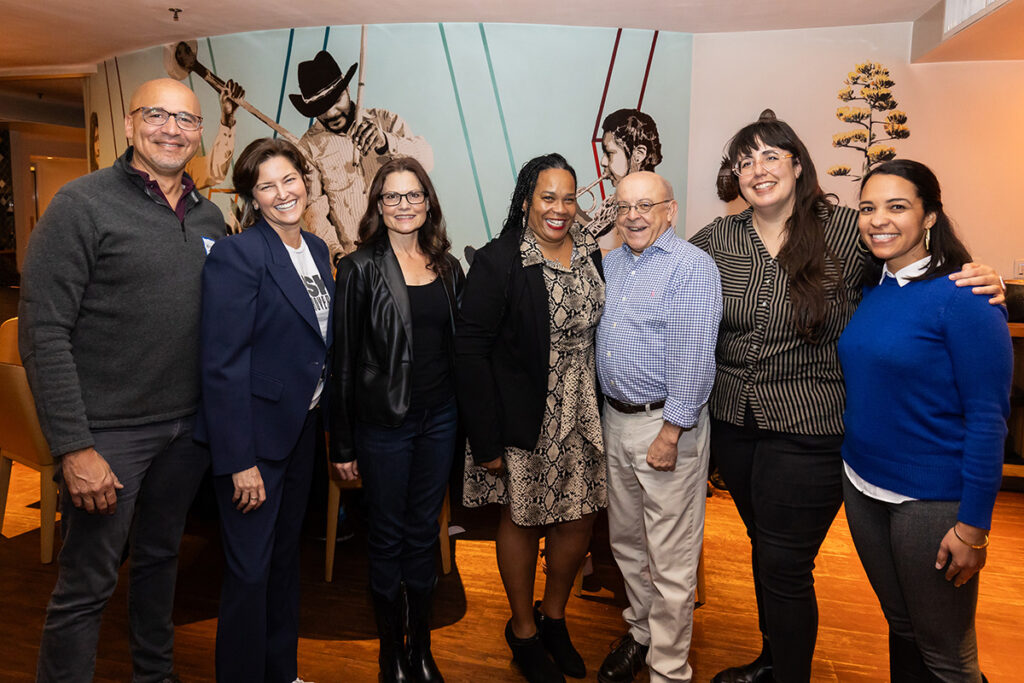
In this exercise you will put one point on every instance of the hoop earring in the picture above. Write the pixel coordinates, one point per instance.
(928, 240)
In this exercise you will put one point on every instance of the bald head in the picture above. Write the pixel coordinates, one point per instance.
(154, 90)
(638, 229)
(162, 149)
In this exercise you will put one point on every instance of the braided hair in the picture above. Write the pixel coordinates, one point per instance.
(526, 183)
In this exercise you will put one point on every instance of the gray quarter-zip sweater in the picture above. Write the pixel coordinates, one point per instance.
(109, 310)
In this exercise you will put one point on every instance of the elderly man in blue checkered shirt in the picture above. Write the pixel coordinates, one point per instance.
(656, 364)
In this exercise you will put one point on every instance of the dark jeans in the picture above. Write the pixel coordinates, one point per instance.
(897, 544)
(258, 623)
(787, 489)
(405, 471)
(160, 468)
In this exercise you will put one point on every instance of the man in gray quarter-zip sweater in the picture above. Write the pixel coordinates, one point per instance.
(109, 334)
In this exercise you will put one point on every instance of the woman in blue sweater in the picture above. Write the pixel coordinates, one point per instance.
(927, 370)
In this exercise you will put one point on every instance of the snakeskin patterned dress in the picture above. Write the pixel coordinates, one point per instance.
(563, 477)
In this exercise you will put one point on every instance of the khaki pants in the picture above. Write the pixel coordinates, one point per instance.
(656, 527)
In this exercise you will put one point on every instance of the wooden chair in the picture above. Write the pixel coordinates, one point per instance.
(21, 439)
(334, 487)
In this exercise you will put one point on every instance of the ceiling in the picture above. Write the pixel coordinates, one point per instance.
(69, 36)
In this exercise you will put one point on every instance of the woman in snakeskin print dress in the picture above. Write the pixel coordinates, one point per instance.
(528, 394)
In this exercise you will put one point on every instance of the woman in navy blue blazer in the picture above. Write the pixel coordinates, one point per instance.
(393, 415)
(264, 338)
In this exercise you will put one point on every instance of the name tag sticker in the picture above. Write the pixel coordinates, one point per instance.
(208, 243)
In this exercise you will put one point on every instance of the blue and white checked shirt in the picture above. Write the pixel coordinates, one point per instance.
(657, 335)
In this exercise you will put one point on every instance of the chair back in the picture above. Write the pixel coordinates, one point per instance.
(21, 438)
(9, 342)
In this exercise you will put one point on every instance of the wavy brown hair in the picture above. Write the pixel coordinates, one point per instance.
(432, 236)
(804, 253)
(247, 171)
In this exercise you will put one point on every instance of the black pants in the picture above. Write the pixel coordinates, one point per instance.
(787, 489)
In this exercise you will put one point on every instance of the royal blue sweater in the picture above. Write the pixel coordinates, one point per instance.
(928, 369)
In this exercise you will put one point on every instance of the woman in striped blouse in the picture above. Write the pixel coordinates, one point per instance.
(791, 272)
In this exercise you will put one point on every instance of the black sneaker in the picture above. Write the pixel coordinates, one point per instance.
(624, 662)
(555, 636)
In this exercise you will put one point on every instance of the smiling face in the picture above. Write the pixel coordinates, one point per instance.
(552, 207)
(893, 220)
(404, 218)
(280, 193)
(162, 150)
(770, 191)
(641, 230)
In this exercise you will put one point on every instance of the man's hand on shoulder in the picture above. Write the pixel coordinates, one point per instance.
(90, 481)
(662, 453)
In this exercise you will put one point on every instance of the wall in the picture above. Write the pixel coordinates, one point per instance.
(36, 139)
(965, 120)
(486, 97)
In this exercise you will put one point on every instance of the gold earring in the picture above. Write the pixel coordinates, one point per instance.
(928, 239)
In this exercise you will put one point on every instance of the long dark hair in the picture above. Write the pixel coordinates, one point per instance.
(432, 237)
(526, 183)
(247, 171)
(948, 253)
(804, 253)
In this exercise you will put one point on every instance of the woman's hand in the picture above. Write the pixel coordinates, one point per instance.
(348, 471)
(495, 467)
(249, 491)
(964, 561)
(981, 279)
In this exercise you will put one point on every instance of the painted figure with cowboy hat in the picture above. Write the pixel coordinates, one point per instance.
(345, 148)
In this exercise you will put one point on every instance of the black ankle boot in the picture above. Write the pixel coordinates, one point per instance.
(532, 659)
(758, 671)
(555, 636)
(421, 661)
(394, 668)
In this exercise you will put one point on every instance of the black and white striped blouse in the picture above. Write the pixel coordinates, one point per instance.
(791, 385)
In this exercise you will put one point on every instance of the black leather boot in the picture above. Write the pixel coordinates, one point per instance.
(758, 671)
(394, 667)
(421, 661)
(555, 636)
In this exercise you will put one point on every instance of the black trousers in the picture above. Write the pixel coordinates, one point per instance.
(787, 489)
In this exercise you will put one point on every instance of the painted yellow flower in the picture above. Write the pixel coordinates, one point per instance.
(853, 114)
(838, 170)
(880, 153)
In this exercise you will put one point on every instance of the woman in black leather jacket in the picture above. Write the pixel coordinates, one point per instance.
(393, 414)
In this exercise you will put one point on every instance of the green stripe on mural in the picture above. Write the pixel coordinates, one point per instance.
(465, 130)
(497, 99)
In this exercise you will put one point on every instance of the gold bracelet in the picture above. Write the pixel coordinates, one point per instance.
(982, 546)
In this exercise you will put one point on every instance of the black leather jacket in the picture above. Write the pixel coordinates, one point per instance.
(371, 369)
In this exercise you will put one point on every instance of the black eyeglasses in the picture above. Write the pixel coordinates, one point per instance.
(395, 198)
(155, 116)
(643, 206)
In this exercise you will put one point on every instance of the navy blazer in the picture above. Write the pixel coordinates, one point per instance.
(261, 352)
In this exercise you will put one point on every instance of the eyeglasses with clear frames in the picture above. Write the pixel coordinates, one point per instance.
(395, 198)
(643, 206)
(155, 116)
(769, 162)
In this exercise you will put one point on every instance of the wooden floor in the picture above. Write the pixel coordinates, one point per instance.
(337, 637)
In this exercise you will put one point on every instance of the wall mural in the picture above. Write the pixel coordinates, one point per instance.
(871, 84)
(471, 102)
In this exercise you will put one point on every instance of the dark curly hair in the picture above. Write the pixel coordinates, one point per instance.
(632, 127)
(432, 236)
(526, 183)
